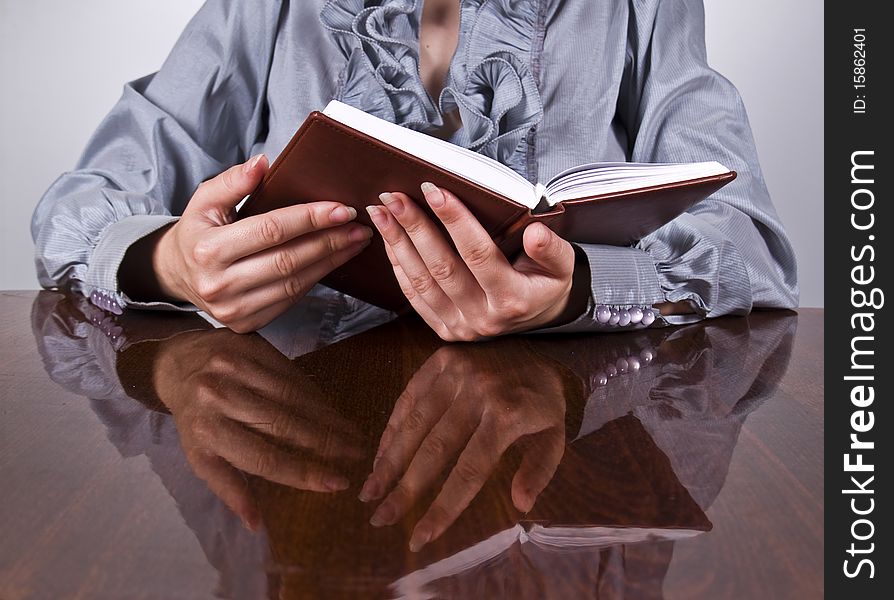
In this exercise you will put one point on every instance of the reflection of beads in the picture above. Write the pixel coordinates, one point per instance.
(622, 317)
(622, 366)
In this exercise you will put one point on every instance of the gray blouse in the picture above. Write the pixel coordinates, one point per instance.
(540, 85)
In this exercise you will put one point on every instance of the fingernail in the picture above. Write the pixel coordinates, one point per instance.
(384, 515)
(376, 215)
(542, 235)
(420, 537)
(252, 163)
(433, 195)
(370, 490)
(360, 234)
(392, 202)
(342, 214)
(335, 483)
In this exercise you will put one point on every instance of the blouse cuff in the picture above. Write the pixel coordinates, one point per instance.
(102, 273)
(624, 287)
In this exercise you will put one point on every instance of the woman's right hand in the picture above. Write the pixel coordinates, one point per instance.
(246, 273)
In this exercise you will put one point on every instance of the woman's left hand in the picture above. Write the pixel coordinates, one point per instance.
(472, 292)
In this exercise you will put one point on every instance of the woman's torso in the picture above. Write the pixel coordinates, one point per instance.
(535, 87)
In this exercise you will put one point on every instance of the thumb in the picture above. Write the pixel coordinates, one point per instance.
(225, 191)
(550, 252)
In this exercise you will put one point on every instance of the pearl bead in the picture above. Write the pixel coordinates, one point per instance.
(648, 317)
(647, 355)
(600, 379)
(611, 371)
(613, 320)
(603, 313)
(633, 361)
(636, 315)
(622, 365)
(624, 318)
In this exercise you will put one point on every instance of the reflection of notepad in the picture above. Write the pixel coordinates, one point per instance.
(548, 539)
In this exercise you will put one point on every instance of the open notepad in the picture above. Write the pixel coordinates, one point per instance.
(582, 181)
(349, 156)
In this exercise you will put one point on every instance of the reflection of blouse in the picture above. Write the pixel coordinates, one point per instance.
(539, 85)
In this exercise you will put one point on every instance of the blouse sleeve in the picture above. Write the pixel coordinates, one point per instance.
(198, 115)
(727, 254)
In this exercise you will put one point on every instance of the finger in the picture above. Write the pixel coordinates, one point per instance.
(482, 257)
(404, 254)
(439, 259)
(280, 262)
(228, 484)
(431, 318)
(255, 308)
(553, 255)
(224, 245)
(420, 384)
(472, 470)
(427, 408)
(250, 452)
(537, 468)
(440, 448)
(263, 376)
(258, 413)
(218, 197)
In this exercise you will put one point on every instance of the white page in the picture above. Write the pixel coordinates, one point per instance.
(475, 167)
(605, 178)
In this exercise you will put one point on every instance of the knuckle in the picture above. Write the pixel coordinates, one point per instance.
(242, 327)
(407, 289)
(404, 490)
(415, 420)
(227, 179)
(465, 334)
(468, 473)
(512, 309)
(488, 329)
(228, 314)
(334, 243)
(271, 231)
(220, 363)
(280, 426)
(265, 464)
(442, 269)
(294, 287)
(415, 227)
(285, 263)
(434, 448)
(422, 283)
(210, 289)
(205, 253)
(479, 255)
(318, 216)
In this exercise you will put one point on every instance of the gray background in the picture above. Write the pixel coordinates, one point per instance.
(62, 65)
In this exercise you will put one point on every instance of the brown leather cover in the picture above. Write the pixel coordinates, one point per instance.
(326, 160)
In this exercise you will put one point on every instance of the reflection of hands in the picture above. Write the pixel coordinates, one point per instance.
(240, 405)
(459, 404)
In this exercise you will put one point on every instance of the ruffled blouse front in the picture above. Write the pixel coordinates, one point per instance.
(490, 83)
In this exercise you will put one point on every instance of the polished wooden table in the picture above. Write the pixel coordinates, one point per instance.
(152, 456)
